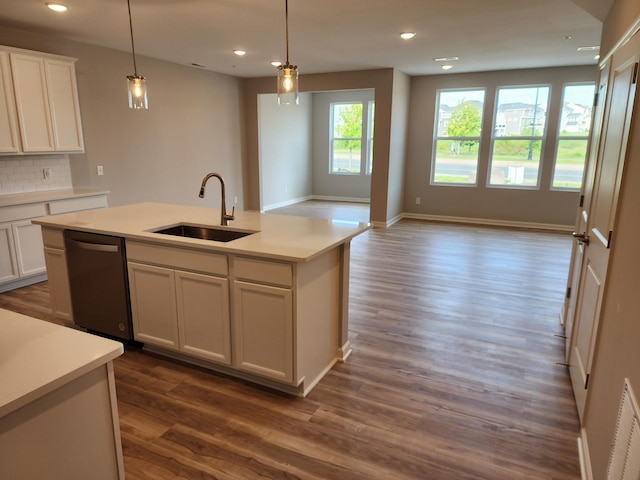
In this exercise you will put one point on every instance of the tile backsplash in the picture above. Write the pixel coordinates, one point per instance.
(19, 174)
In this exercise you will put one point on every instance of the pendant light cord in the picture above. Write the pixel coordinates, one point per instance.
(133, 48)
(286, 23)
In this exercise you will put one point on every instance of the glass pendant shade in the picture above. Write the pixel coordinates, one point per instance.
(137, 87)
(288, 85)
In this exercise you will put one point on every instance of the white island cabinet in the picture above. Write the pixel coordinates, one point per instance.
(270, 307)
(58, 407)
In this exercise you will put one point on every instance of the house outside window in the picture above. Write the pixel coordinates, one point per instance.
(573, 136)
(351, 138)
(518, 135)
(457, 137)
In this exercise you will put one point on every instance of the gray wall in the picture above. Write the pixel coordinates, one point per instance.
(285, 150)
(355, 187)
(398, 144)
(381, 81)
(201, 121)
(194, 125)
(543, 206)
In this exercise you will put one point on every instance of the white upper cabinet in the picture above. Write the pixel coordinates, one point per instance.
(63, 103)
(43, 100)
(9, 142)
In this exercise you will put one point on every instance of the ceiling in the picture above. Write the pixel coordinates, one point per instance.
(330, 35)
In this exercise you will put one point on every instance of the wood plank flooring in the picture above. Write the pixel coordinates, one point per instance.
(453, 375)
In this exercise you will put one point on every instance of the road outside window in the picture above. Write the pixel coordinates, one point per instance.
(457, 137)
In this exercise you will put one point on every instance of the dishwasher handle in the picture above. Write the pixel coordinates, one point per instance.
(96, 246)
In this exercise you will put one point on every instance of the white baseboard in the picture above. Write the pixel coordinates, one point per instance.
(583, 453)
(286, 203)
(341, 199)
(489, 221)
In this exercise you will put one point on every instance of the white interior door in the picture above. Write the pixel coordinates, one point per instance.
(577, 254)
(600, 223)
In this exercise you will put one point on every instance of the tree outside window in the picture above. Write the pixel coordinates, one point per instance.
(346, 151)
(457, 137)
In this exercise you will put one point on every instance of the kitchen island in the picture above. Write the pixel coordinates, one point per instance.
(58, 409)
(270, 307)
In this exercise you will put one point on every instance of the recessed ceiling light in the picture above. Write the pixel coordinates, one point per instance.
(407, 35)
(567, 37)
(240, 53)
(597, 57)
(447, 67)
(275, 63)
(446, 59)
(57, 7)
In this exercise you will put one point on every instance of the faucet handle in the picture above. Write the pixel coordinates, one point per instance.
(232, 216)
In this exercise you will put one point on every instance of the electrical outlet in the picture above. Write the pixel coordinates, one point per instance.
(235, 199)
(46, 173)
(100, 170)
(418, 200)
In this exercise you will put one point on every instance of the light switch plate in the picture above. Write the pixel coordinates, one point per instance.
(100, 170)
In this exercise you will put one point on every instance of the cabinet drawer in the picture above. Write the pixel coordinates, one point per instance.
(20, 212)
(263, 271)
(181, 258)
(76, 204)
(52, 238)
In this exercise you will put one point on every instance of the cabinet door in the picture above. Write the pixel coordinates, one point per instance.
(65, 109)
(29, 248)
(9, 142)
(8, 264)
(58, 281)
(32, 103)
(153, 305)
(203, 316)
(263, 330)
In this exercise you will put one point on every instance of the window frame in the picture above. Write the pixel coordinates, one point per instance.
(560, 137)
(530, 138)
(437, 137)
(365, 139)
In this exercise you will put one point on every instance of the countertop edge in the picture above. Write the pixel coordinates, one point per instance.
(50, 356)
(39, 196)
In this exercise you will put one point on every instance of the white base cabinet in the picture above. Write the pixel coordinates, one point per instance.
(21, 247)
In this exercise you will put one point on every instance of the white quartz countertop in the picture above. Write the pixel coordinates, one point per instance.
(283, 237)
(37, 357)
(47, 196)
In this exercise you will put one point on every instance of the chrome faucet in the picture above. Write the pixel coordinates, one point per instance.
(224, 218)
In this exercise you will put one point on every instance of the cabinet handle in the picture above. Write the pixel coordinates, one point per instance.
(96, 246)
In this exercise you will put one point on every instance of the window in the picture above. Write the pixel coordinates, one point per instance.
(457, 136)
(352, 138)
(573, 136)
(518, 133)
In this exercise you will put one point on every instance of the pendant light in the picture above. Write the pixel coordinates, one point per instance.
(287, 73)
(136, 84)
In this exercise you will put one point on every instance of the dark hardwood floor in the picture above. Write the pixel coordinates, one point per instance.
(453, 375)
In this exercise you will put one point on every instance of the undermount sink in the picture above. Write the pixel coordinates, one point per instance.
(204, 233)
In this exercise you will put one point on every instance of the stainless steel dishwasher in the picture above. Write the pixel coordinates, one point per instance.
(98, 281)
